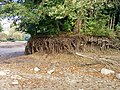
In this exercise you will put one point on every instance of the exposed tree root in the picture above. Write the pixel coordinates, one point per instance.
(67, 44)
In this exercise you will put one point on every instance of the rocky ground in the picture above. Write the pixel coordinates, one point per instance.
(94, 70)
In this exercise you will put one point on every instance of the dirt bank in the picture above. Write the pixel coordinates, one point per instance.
(65, 44)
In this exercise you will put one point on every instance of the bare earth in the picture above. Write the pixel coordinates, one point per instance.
(73, 71)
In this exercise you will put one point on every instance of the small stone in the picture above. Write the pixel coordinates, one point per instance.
(36, 69)
(2, 73)
(106, 71)
(61, 72)
(16, 77)
(81, 89)
(15, 82)
(7, 71)
(51, 71)
(118, 76)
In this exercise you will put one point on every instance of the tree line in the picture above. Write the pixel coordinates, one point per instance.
(54, 17)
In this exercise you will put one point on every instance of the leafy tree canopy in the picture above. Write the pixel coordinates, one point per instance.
(1, 28)
(51, 17)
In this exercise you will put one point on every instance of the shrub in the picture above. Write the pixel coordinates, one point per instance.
(11, 39)
(17, 36)
(98, 28)
(118, 30)
(1, 29)
(3, 36)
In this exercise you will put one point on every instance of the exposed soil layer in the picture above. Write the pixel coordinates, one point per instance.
(69, 44)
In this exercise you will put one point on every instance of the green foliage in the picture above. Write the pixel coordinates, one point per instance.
(11, 39)
(17, 36)
(118, 30)
(51, 17)
(97, 28)
(3, 36)
(1, 29)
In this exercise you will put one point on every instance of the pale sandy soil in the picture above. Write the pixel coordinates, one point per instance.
(60, 71)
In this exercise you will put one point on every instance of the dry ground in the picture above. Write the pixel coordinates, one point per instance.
(72, 71)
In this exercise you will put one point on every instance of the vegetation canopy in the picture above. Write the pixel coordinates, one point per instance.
(53, 17)
(1, 28)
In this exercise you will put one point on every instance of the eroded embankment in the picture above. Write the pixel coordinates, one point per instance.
(69, 44)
